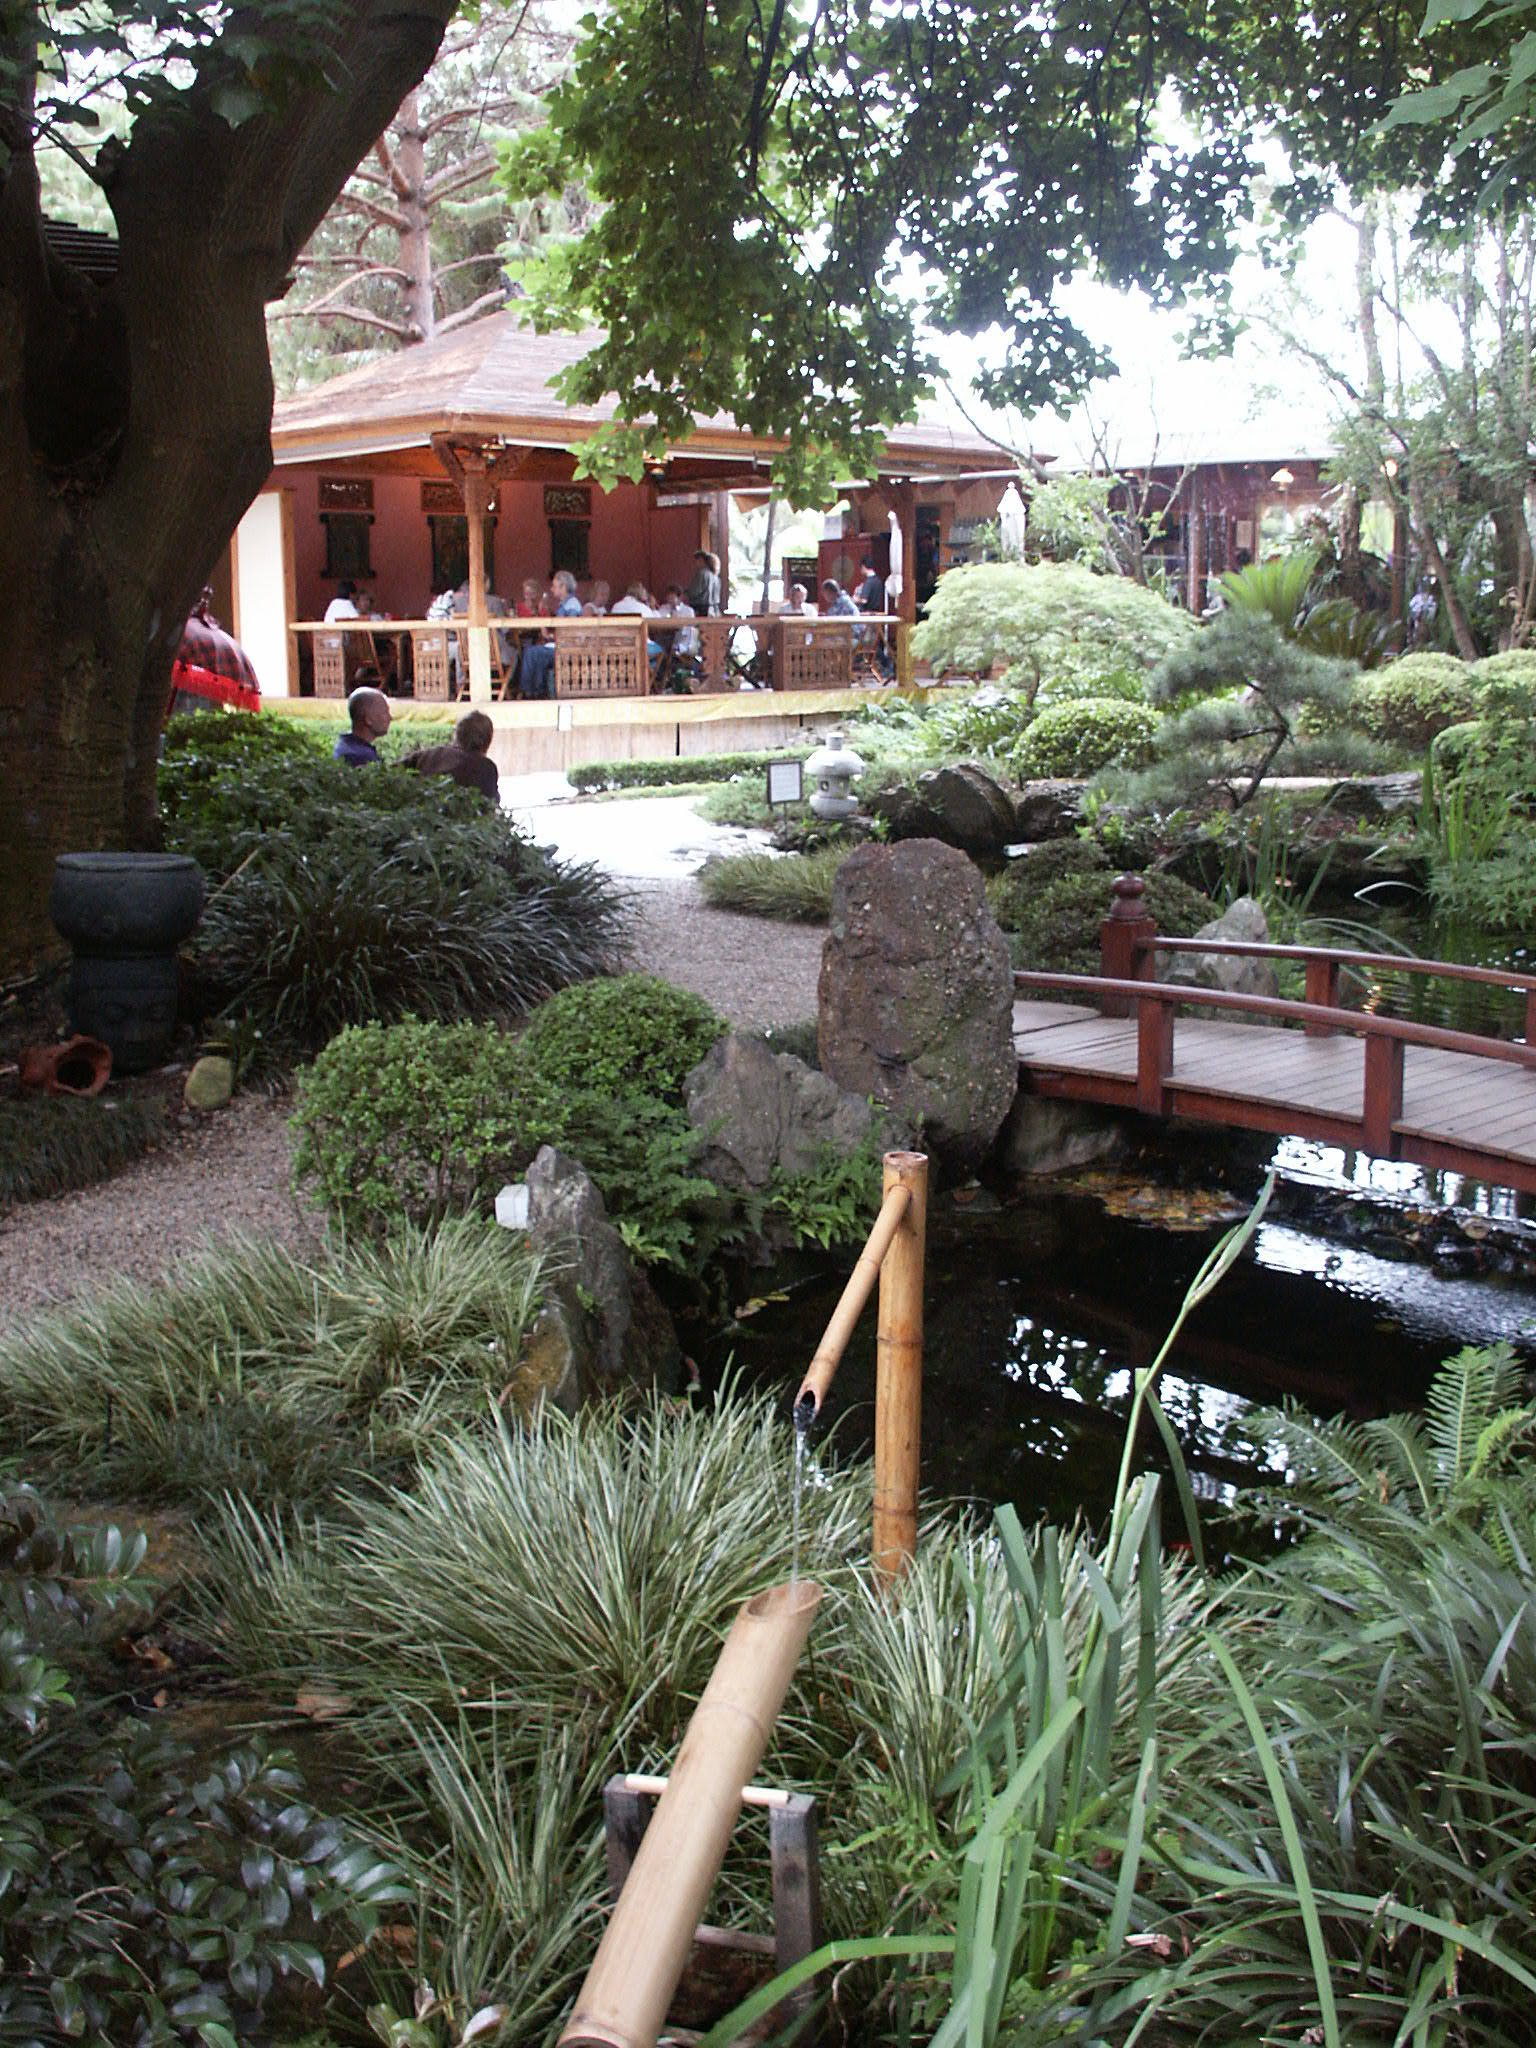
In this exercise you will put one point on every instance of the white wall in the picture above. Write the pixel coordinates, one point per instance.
(261, 597)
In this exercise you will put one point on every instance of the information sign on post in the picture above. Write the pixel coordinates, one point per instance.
(786, 782)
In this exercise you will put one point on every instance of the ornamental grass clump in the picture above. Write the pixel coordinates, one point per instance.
(796, 887)
(52, 1143)
(275, 1374)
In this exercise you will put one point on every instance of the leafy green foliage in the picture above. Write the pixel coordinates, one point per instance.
(1409, 701)
(1048, 622)
(795, 886)
(416, 1121)
(836, 1201)
(1083, 736)
(1479, 798)
(1055, 918)
(349, 895)
(276, 1375)
(52, 1143)
(587, 775)
(146, 1895)
(625, 1033)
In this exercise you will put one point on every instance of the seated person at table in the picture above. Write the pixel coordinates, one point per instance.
(835, 601)
(467, 757)
(634, 604)
(344, 604)
(536, 675)
(597, 603)
(368, 708)
(528, 603)
(796, 606)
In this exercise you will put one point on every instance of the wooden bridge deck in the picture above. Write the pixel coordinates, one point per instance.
(1460, 1112)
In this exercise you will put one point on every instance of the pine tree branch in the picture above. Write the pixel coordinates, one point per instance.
(401, 333)
(467, 313)
(472, 172)
(399, 184)
(326, 299)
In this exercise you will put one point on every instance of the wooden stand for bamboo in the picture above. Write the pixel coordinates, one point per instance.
(623, 2003)
(893, 1254)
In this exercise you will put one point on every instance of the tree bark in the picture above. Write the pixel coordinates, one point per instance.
(134, 427)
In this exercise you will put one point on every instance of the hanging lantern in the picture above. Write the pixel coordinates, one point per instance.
(830, 771)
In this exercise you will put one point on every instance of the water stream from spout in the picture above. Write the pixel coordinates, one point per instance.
(802, 1440)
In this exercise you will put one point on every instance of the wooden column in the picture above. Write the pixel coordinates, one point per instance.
(1197, 545)
(477, 494)
(1323, 989)
(899, 1372)
(1124, 951)
(1383, 1095)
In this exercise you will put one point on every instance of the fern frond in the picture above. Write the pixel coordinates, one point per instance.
(1511, 1429)
(1464, 1396)
(1401, 1450)
(1334, 1456)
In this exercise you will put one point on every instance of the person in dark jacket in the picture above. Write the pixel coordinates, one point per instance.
(467, 758)
(368, 708)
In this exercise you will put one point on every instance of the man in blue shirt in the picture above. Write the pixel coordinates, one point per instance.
(835, 601)
(536, 676)
(369, 711)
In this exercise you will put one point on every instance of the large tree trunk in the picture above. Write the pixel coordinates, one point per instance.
(134, 431)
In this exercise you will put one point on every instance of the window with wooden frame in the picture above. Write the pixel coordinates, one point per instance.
(450, 550)
(346, 513)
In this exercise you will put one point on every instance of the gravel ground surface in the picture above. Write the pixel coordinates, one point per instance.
(230, 1172)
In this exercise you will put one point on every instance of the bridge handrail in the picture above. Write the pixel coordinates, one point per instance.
(1282, 1009)
(1398, 963)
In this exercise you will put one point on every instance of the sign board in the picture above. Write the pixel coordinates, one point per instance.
(786, 782)
(666, 498)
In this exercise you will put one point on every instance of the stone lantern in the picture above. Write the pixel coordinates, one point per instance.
(831, 769)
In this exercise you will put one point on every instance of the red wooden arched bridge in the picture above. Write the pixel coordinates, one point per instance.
(1398, 1090)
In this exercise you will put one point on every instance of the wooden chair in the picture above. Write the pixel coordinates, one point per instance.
(498, 666)
(330, 665)
(429, 663)
(601, 658)
(813, 654)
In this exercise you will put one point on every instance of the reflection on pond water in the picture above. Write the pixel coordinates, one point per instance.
(1037, 1315)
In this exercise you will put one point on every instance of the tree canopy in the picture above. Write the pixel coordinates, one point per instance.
(792, 194)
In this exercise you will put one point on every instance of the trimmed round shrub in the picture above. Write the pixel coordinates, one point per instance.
(1056, 928)
(1085, 734)
(1515, 668)
(1406, 702)
(1022, 881)
(625, 1033)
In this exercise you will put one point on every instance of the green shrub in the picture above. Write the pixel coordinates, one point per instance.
(392, 913)
(800, 1040)
(1084, 735)
(1046, 621)
(1023, 880)
(148, 1893)
(797, 886)
(1515, 669)
(623, 1034)
(52, 1143)
(1057, 926)
(588, 775)
(273, 1374)
(1408, 701)
(411, 1120)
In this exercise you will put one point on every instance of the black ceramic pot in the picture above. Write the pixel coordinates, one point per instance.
(125, 914)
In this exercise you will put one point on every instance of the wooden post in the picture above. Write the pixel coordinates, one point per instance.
(1383, 1095)
(1154, 1055)
(899, 1372)
(623, 2003)
(476, 502)
(903, 634)
(1530, 1016)
(1322, 988)
(796, 1864)
(625, 1816)
(1125, 952)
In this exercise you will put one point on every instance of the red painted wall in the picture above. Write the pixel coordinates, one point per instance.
(632, 540)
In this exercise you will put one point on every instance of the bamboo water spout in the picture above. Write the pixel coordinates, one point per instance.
(623, 2003)
(893, 1254)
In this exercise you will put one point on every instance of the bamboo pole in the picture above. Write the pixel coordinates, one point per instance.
(899, 1370)
(861, 1284)
(623, 2003)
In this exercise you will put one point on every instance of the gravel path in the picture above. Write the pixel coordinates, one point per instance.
(231, 1171)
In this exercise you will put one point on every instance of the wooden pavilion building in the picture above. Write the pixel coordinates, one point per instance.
(453, 463)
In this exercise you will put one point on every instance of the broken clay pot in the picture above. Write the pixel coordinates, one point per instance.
(77, 1066)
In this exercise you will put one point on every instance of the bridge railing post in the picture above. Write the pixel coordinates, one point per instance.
(1154, 1055)
(1322, 989)
(1382, 1104)
(1124, 936)
(1530, 1016)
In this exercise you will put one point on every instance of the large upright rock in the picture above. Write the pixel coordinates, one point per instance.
(1237, 974)
(961, 804)
(601, 1328)
(766, 1111)
(916, 996)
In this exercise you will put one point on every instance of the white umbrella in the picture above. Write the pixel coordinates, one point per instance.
(1010, 520)
(893, 580)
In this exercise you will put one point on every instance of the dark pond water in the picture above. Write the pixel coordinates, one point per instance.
(1039, 1309)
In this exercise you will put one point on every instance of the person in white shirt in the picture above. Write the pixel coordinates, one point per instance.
(344, 604)
(634, 604)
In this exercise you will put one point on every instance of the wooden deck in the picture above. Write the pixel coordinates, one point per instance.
(1460, 1112)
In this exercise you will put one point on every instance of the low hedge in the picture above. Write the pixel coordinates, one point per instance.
(588, 775)
(50, 1144)
(1083, 735)
(1055, 927)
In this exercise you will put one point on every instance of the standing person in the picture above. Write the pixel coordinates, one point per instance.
(369, 712)
(870, 596)
(704, 586)
(467, 757)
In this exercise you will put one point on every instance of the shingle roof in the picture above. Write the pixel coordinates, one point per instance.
(492, 377)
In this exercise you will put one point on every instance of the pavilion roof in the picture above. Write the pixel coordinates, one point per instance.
(490, 379)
